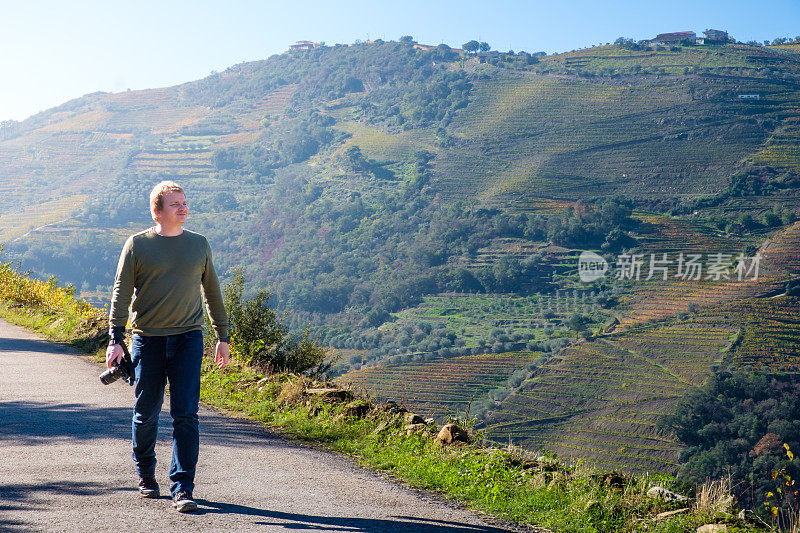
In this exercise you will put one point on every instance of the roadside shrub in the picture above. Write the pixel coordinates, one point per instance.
(261, 340)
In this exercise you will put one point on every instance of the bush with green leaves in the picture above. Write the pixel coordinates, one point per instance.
(262, 340)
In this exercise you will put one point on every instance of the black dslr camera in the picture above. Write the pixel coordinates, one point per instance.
(123, 370)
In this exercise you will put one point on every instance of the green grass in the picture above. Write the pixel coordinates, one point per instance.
(383, 146)
(48, 325)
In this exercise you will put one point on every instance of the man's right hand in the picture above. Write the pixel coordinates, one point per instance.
(114, 355)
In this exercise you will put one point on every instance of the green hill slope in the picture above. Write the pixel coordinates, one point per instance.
(679, 130)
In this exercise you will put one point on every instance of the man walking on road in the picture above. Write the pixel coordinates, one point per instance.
(163, 270)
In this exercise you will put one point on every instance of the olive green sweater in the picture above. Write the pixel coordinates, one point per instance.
(164, 275)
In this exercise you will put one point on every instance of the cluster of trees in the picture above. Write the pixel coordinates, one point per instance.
(745, 222)
(293, 142)
(510, 60)
(252, 163)
(603, 225)
(474, 46)
(423, 341)
(783, 40)
(630, 44)
(737, 424)
(774, 42)
(436, 101)
(761, 181)
(90, 256)
(9, 129)
(127, 199)
(751, 181)
(384, 256)
(353, 160)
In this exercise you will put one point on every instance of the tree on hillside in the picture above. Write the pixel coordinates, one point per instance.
(629, 44)
(407, 39)
(484, 47)
(471, 46)
(577, 322)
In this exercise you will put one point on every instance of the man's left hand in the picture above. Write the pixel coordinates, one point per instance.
(222, 354)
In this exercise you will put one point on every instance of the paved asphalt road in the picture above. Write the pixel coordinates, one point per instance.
(65, 465)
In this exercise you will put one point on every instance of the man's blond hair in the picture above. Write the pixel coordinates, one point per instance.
(159, 192)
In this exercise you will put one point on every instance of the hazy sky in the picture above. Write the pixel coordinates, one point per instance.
(53, 51)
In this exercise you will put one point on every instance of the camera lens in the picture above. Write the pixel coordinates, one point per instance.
(111, 375)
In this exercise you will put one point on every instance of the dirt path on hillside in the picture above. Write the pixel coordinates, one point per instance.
(66, 465)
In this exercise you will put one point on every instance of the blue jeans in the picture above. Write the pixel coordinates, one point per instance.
(176, 358)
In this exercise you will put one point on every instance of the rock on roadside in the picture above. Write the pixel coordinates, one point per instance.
(451, 433)
(667, 495)
(712, 528)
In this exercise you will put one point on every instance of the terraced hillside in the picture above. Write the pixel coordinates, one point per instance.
(78, 148)
(440, 387)
(616, 388)
(601, 400)
(576, 125)
(770, 339)
(660, 298)
(531, 135)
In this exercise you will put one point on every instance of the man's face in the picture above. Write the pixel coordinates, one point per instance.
(175, 210)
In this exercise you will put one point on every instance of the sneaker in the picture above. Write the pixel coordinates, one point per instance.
(183, 502)
(148, 487)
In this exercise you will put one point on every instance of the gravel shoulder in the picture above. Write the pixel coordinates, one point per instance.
(66, 464)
